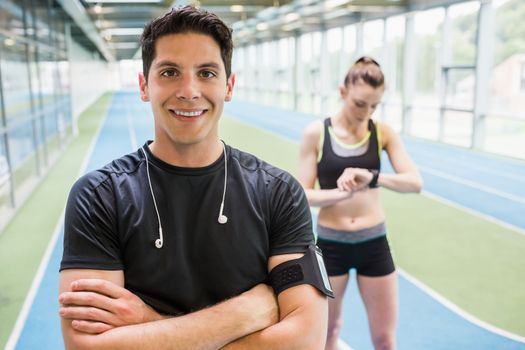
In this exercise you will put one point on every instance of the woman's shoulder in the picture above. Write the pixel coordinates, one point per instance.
(314, 128)
(386, 131)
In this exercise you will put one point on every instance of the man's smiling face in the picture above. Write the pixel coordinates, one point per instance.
(187, 88)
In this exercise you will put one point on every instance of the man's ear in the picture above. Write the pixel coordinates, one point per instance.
(229, 85)
(143, 84)
(343, 90)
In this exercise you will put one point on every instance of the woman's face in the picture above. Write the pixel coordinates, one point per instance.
(360, 100)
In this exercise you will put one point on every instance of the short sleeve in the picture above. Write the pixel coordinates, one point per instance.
(291, 221)
(90, 227)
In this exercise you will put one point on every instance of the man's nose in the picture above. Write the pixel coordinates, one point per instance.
(188, 88)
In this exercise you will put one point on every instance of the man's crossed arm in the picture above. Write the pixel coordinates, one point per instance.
(98, 313)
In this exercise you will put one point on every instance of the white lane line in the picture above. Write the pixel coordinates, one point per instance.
(457, 310)
(28, 302)
(473, 184)
(37, 280)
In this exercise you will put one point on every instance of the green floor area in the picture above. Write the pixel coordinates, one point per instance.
(24, 241)
(476, 264)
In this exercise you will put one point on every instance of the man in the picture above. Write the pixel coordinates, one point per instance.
(169, 247)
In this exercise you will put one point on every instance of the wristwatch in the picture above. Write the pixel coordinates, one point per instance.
(375, 176)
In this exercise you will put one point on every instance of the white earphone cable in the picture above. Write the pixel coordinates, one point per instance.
(222, 219)
(160, 241)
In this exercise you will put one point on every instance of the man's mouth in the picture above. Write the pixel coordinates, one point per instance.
(188, 114)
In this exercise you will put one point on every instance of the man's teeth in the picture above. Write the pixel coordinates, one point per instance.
(189, 114)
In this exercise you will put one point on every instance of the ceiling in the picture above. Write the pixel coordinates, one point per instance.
(113, 27)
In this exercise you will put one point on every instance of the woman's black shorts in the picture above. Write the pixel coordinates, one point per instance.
(370, 258)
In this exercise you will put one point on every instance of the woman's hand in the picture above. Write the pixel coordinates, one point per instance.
(354, 179)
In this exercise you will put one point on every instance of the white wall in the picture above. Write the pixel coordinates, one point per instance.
(91, 77)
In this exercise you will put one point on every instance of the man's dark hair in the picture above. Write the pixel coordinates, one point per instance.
(187, 19)
(365, 69)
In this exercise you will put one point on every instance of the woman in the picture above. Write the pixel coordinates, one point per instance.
(343, 152)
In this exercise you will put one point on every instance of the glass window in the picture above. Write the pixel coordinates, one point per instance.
(373, 39)
(427, 33)
(4, 177)
(505, 129)
(461, 81)
(522, 84)
(393, 70)
(464, 25)
(349, 45)
(15, 81)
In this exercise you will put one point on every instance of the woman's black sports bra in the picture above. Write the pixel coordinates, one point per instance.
(332, 163)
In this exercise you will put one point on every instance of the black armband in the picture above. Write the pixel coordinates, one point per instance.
(308, 269)
(375, 176)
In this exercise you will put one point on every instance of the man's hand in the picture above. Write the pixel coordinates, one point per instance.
(262, 306)
(95, 306)
(354, 179)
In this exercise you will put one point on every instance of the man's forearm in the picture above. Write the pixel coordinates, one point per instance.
(210, 328)
(283, 336)
(303, 329)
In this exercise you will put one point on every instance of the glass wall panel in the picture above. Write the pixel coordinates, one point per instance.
(464, 24)
(334, 38)
(4, 178)
(349, 46)
(393, 70)
(253, 77)
(505, 126)
(425, 121)
(427, 29)
(284, 73)
(36, 92)
(460, 76)
(239, 69)
(306, 73)
(458, 128)
(266, 73)
(373, 39)
(16, 95)
(21, 149)
(48, 74)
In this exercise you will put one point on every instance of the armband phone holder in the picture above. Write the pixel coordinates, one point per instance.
(309, 269)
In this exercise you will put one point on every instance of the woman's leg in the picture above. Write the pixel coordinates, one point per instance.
(380, 297)
(335, 305)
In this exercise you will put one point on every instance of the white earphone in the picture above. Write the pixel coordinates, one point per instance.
(222, 219)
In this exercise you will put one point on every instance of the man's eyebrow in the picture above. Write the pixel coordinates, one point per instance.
(209, 65)
(166, 63)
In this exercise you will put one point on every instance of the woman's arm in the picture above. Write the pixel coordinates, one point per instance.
(407, 177)
(308, 153)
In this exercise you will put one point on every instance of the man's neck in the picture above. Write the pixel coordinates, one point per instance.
(187, 156)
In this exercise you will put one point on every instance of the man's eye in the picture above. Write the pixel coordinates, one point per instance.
(207, 74)
(168, 73)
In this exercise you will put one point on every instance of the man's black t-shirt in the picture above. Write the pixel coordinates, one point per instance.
(111, 224)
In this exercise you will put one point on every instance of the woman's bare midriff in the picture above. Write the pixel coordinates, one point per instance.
(361, 211)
